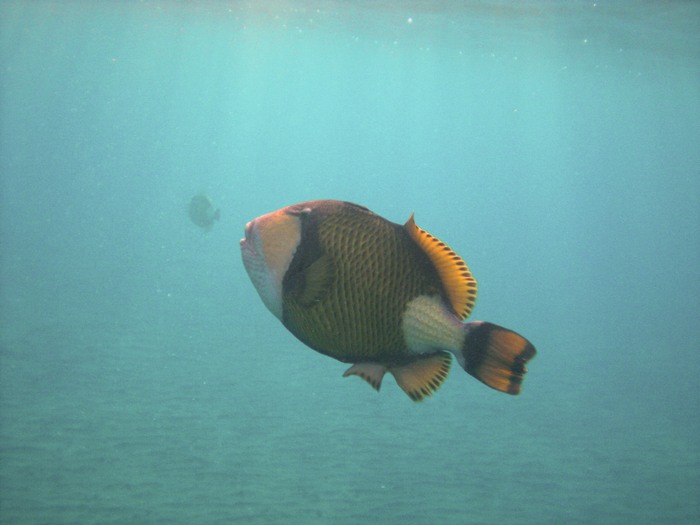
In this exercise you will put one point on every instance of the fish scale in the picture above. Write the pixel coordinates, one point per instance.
(365, 302)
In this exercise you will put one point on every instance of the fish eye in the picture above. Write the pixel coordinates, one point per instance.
(301, 213)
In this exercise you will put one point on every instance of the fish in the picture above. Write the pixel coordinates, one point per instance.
(202, 211)
(378, 295)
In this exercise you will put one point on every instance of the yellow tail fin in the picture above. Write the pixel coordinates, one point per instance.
(496, 356)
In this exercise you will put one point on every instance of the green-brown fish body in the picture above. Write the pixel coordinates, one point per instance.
(385, 297)
(202, 211)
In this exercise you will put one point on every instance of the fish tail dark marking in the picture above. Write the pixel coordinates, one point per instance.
(497, 356)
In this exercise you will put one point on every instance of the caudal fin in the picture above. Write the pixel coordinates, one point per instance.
(496, 356)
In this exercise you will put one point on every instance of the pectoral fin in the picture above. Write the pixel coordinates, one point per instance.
(317, 279)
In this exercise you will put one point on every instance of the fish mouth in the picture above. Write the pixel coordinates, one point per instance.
(247, 240)
(249, 243)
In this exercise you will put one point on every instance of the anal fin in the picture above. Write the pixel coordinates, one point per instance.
(424, 375)
(373, 373)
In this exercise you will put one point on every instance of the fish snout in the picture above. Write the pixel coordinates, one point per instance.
(248, 233)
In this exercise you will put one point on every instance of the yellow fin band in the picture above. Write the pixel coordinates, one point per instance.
(424, 375)
(459, 283)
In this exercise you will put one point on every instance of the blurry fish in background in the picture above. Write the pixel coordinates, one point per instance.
(202, 211)
(383, 296)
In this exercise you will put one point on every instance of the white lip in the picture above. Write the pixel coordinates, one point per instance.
(247, 241)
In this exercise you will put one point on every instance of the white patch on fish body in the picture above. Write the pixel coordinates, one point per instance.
(428, 325)
(267, 251)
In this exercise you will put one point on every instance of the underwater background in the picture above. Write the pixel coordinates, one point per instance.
(554, 145)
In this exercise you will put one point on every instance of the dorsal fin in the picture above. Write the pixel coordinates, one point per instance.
(424, 375)
(456, 278)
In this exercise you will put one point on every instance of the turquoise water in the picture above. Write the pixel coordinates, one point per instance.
(554, 145)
